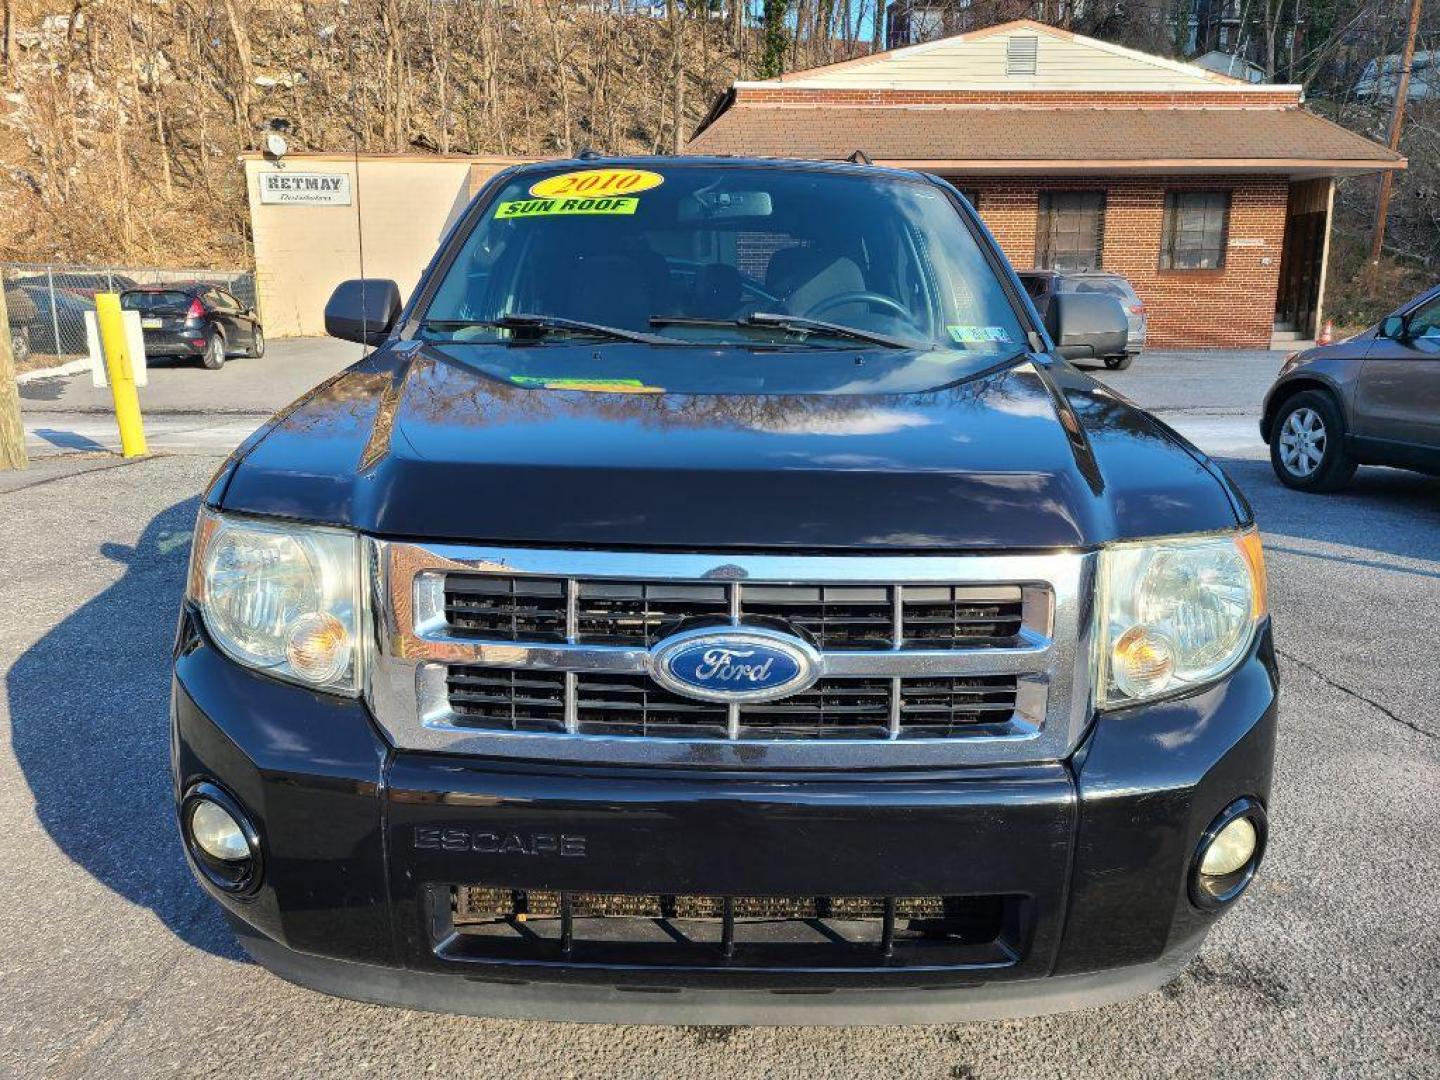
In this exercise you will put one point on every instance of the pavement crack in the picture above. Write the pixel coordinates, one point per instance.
(1383, 710)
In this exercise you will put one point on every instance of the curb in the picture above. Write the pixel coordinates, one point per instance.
(83, 364)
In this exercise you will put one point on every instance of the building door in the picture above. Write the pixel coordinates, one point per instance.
(1302, 258)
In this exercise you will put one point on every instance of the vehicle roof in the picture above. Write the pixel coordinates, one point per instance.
(175, 286)
(720, 162)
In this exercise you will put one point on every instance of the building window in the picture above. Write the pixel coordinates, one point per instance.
(1071, 230)
(1196, 223)
(972, 196)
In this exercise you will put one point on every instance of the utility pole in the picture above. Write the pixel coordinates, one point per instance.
(1397, 119)
(12, 431)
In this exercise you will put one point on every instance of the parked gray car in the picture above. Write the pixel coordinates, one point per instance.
(1043, 284)
(1371, 400)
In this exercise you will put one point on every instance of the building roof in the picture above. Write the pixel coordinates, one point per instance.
(981, 59)
(1023, 97)
(994, 139)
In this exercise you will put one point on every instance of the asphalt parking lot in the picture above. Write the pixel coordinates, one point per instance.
(112, 962)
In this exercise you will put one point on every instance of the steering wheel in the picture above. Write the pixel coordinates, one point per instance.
(860, 297)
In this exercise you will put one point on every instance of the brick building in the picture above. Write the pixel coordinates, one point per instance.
(1211, 194)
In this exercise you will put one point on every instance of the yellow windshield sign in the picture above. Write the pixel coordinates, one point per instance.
(594, 386)
(524, 208)
(596, 182)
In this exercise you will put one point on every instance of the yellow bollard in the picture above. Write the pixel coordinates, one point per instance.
(119, 374)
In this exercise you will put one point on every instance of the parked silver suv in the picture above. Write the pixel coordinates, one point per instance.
(1371, 400)
(1043, 284)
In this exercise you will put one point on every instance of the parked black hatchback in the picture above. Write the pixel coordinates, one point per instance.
(195, 320)
(713, 601)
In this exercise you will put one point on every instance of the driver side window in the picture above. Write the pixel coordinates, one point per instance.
(1424, 327)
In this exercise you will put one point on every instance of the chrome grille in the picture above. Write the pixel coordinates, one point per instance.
(518, 699)
(507, 608)
(542, 653)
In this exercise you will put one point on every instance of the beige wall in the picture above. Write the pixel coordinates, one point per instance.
(977, 61)
(400, 206)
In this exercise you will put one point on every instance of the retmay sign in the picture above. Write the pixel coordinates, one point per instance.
(305, 189)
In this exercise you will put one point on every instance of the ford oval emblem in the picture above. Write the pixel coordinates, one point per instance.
(734, 664)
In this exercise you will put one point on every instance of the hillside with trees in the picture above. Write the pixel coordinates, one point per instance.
(121, 120)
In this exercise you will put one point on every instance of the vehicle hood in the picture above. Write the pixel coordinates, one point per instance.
(713, 448)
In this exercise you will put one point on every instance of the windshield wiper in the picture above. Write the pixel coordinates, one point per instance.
(795, 324)
(540, 325)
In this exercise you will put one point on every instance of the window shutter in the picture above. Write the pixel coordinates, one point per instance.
(1020, 54)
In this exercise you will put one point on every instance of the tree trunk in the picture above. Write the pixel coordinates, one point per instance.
(677, 75)
(12, 430)
(241, 36)
(11, 71)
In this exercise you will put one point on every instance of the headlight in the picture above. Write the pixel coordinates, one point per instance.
(282, 598)
(1175, 614)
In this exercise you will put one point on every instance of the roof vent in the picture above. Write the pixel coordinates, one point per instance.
(1020, 51)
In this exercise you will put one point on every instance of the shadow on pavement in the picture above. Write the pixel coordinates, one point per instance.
(1388, 512)
(89, 707)
(68, 440)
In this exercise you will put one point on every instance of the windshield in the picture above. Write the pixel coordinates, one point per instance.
(710, 255)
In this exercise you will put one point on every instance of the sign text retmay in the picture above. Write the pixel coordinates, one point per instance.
(305, 189)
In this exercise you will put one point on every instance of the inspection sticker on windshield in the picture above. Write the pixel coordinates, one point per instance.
(595, 386)
(550, 207)
(596, 182)
(967, 335)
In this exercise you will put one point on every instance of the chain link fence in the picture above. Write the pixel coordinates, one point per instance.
(47, 303)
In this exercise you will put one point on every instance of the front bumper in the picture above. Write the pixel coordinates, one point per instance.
(363, 845)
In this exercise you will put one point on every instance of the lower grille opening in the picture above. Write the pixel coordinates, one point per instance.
(651, 929)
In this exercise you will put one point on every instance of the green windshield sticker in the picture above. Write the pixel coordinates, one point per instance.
(599, 386)
(614, 204)
(967, 335)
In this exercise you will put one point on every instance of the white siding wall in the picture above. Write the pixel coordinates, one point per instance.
(959, 64)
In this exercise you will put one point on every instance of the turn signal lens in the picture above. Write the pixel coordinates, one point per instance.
(1251, 551)
(319, 647)
(1142, 662)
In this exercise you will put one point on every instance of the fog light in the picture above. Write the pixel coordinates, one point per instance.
(217, 833)
(1230, 850)
(223, 844)
(1228, 854)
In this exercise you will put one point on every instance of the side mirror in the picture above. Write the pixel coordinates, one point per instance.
(363, 310)
(1394, 328)
(1086, 326)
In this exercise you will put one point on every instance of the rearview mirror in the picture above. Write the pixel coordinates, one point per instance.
(363, 310)
(1087, 326)
(1393, 327)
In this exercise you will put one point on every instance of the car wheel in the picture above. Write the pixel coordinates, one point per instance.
(214, 357)
(1119, 363)
(1307, 444)
(257, 344)
(20, 343)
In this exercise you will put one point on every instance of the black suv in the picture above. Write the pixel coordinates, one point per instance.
(713, 601)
